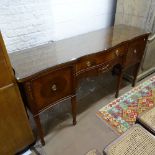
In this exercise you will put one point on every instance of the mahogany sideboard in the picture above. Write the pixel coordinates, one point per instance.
(49, 73)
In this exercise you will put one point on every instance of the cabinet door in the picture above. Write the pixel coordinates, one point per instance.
(136, 51)
(15, 131)
(50, 87)
(6, 73)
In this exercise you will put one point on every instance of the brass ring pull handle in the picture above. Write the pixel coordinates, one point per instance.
(54, 87)
(117, 52)
(135, 51)
(88, 63)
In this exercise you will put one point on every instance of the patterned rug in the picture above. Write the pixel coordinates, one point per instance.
(121, 113)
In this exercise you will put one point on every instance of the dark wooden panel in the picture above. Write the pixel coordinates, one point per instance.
(135, 51)
(89, 61)
(99, 69)
(51, 87)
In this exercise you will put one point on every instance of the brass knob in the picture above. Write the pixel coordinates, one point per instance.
(117, 52)
(54, 87)
(135, 51)
(88, 63)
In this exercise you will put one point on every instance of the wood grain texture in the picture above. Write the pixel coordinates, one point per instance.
(100, 59)
(135, 51)
(49, 88)
(95, 53)
(15, 131)
(7, 76)
(31, 61)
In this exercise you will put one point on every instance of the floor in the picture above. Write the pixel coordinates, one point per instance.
(62, 138)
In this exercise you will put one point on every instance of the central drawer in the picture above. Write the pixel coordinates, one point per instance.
(51, 87)
(87, 62)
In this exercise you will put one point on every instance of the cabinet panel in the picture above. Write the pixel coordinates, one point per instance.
(135, 51)
(52, 86)
(15, 132)
(5, 76)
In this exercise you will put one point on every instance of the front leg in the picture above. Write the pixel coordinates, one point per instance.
(135, 73)
(119, 81)
(39, 128)
(118, 70)
(74, 109)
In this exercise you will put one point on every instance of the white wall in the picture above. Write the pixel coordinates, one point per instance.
(28, 23)
(72, 17)
(25, 23)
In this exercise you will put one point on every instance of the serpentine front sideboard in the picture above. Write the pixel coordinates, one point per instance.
(49, 73)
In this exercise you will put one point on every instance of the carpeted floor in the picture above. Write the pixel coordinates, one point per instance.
(121, 113)
(90, 132)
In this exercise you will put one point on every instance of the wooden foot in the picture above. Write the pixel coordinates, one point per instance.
(40, 130)
(135, 73)
(119, 81)
(74, 109)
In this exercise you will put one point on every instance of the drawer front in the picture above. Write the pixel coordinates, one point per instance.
(52, 87)
(135, 51)
(5, 77)
(100, 69)
(88, 62)
(107, 66)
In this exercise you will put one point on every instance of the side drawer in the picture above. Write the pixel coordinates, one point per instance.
(87, 62)
(50, 87)
(135, 51)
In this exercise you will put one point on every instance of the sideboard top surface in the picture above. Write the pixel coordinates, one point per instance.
(31, 61)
